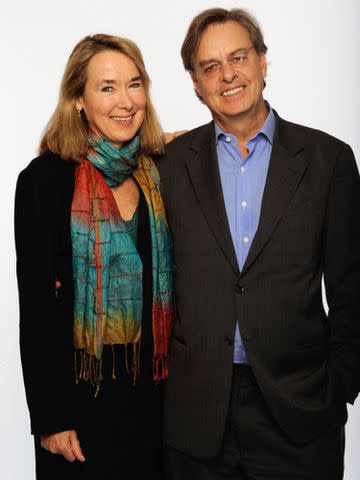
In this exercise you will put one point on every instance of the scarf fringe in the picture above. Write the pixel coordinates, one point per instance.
(90, 368)
(161, 368)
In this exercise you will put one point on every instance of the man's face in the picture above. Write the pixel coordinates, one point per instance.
(230, 89)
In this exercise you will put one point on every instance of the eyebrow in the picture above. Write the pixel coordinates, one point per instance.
(111, 82)
(209, 60)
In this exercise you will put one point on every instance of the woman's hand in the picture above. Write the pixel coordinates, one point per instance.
(168, 137)
(57, 286)
(63, 443)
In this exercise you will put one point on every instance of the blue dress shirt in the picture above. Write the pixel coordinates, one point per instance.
(243, 183)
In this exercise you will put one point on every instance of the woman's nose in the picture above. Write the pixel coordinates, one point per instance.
(125, 101)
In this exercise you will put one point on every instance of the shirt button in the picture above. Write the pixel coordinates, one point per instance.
(246, 240)
(244, 204)
(242, 169)
(228, 139)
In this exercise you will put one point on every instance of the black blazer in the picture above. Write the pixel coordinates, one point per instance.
(43, 245)
(306, 361)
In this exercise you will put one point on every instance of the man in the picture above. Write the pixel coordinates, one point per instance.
(261, 210)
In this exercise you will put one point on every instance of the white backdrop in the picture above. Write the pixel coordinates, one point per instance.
(313, 79)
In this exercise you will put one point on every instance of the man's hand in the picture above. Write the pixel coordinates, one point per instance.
(63, 443)
(167, 136)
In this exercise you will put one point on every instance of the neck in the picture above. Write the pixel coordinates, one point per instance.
(245, 125)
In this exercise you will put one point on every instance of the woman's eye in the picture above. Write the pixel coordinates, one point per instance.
(107, 89)
(135, 85)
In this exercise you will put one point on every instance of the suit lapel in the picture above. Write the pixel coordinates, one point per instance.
(286, 169)
(204, 172)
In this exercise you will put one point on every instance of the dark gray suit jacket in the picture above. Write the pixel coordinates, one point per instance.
(306, 360)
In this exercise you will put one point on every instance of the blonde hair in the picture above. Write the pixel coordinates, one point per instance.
(67, 132)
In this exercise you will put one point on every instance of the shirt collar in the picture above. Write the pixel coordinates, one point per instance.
(267, 129)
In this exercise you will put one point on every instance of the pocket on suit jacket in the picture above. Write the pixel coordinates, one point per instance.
(299, 207)
(313, 351)
(318, 343)
(177, 345)
(296, 240)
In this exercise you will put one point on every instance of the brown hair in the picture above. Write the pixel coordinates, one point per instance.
(219, 15)
(66, 132)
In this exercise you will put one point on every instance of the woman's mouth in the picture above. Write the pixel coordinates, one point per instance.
(122, 119)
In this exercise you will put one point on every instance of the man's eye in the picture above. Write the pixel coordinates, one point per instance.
(211, 68)
(239, 58)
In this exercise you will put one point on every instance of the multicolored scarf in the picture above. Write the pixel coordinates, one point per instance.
(107, 268)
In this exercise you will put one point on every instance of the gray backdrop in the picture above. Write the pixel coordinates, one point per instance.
(312, 79)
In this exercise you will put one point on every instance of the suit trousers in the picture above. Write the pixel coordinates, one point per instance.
(255, 448)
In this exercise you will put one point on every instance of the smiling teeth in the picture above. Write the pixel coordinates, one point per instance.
(122, 119)
(232, 92)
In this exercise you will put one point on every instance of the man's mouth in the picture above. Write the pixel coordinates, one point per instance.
(233, 91)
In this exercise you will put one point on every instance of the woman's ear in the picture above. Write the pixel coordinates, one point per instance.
(79, 104)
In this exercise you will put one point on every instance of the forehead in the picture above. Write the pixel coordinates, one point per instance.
(219, 39)
(111, 65)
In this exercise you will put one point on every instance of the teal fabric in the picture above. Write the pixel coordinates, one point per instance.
(107, 268)
(115, 164)
(132, 226)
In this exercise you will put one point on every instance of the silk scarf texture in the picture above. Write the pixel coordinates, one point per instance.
(107, 269)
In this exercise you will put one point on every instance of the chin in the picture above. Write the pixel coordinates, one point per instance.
(235, 112)
(123, 138)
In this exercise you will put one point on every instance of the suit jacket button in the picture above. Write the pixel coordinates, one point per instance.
(239, 288)
(228, 340)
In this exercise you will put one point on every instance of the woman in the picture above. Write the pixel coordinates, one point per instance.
(89, 214)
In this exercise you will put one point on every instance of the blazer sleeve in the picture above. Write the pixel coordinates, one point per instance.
(45, 337)
(342, 273)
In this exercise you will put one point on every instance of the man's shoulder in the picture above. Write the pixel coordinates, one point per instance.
(188, 139)
(179, 150)
(290, 131)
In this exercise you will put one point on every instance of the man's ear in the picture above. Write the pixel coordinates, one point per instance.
(195, 82)
(263, 64)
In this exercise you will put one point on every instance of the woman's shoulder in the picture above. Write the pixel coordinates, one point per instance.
(48, 164)
(47, 176)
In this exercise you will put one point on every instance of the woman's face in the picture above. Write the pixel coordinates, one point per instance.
(114, 98)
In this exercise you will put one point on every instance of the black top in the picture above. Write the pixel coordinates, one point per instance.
(43, 199)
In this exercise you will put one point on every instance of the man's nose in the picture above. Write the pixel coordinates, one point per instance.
(227, 72)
